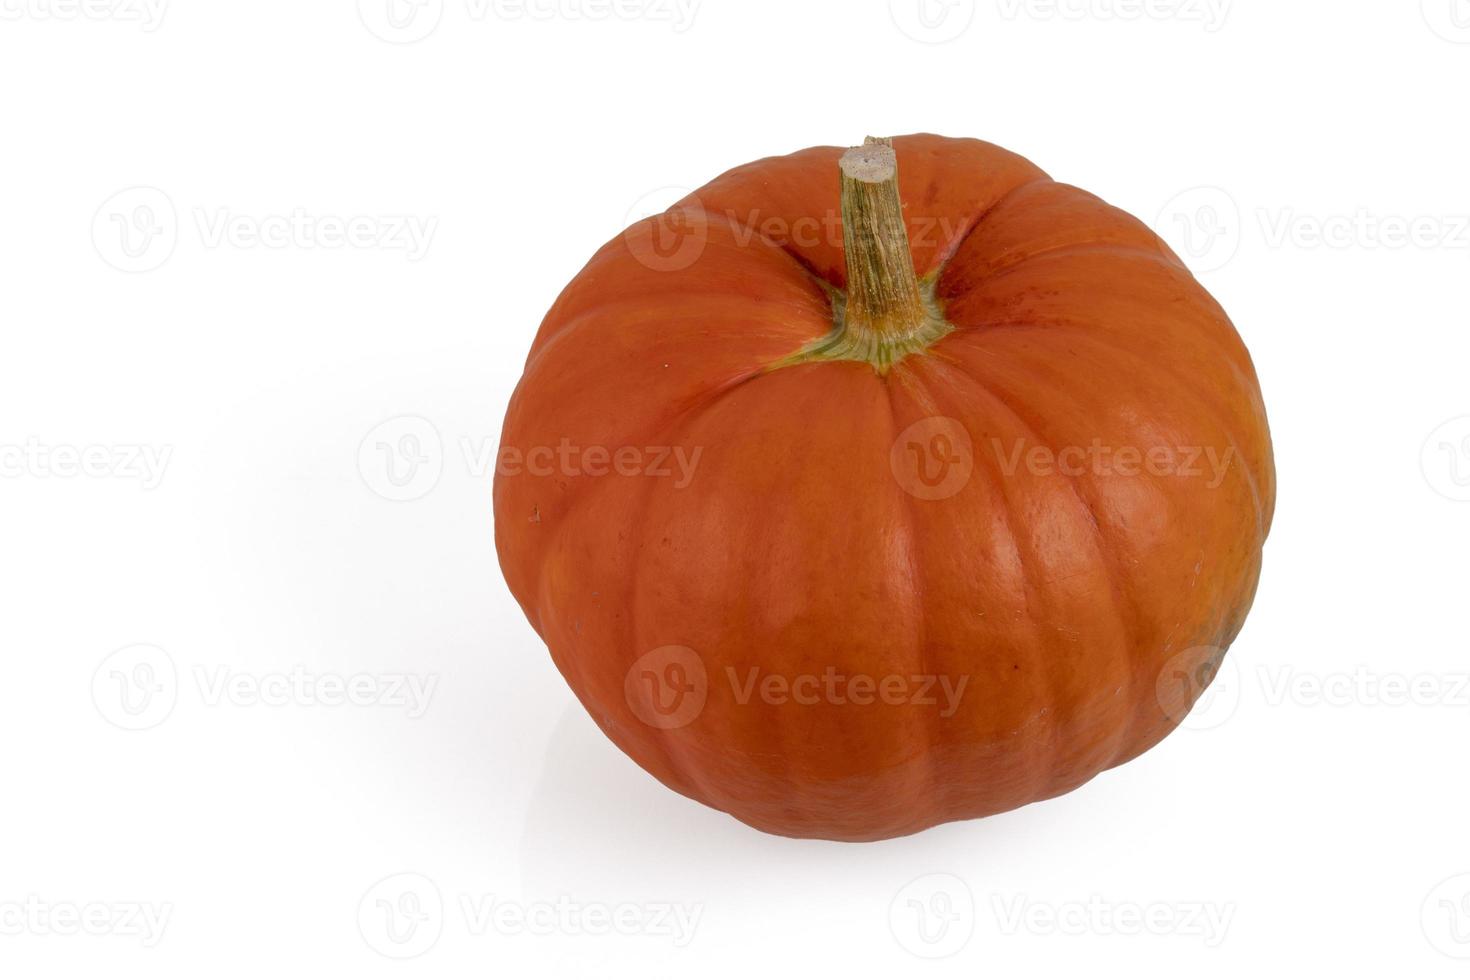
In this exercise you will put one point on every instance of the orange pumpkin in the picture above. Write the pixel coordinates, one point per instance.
(851, 505)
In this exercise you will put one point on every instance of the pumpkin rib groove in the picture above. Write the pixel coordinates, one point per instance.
(1126, 612)
(1071, 249)
(1028, 564)
(802, 262)
(1182, 385)
(1221, 333)
(1123, 610)
(587, 488)
(1036, 672)
(938, 787)
(941, 264)
(668, 739)
(580, 320)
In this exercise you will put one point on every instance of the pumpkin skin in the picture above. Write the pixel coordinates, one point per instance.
(1067, 603)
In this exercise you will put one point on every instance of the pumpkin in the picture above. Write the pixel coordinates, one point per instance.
(864, 491)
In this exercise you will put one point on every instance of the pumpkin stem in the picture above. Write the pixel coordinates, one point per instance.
(882, 290)
(887, 313)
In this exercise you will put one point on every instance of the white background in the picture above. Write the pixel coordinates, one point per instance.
(1310, 808)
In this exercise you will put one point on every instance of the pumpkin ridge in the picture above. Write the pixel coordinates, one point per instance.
(938, 787)
(1190, 389)
(756, 235)
(1078, 248)
(1127, 613)
(941, 264)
